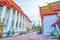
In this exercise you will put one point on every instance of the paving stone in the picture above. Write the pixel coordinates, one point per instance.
(30, 36)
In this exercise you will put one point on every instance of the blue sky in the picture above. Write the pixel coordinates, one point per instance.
(31, 8)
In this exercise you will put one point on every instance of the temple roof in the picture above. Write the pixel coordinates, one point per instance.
(50, 8)
(46, 10)
(55, 6)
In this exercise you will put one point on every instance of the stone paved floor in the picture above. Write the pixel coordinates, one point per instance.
(30, 36)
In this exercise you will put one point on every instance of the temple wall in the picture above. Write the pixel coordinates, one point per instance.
(48, 20)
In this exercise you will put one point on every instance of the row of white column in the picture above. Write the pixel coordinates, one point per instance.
(22, 21)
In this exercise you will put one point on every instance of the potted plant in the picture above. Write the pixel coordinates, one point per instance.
(52, 33)
(58, 36)
(12, 32)
(39, 29)
(21, 33)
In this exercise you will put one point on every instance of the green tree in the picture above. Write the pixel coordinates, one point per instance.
(39, 28)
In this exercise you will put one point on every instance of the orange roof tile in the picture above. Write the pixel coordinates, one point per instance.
(12, 4)
(46, 10)
(55, 6)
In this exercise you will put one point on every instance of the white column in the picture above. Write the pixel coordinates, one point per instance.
(10, 17)
(30, 26)
(15, 20)
(19, 22)
(3, 12)
(22, 22)
(26, 24)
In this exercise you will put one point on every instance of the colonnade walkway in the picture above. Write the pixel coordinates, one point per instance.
(29, 36)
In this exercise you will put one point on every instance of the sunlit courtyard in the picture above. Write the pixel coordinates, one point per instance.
(29, 36)
(29, 19)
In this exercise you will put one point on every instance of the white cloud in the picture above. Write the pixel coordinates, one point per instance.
(31, 8)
